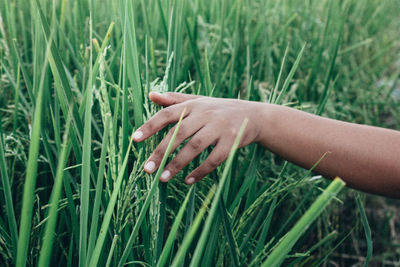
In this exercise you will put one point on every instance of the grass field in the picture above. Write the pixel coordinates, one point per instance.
(74, 80)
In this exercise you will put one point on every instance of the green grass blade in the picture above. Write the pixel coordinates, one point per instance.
(286, 244)
(85, 171)
(5, 179)
(212, 243)
(325, 98)
(26, 107)
(109, 211)
(162, 196)
(184, 247)
(273, 95)
(327, 90)
(196, 54)
(110, 253)
(25, 75)
(367, 229)
(16, 100)
(163, 20)
(128, 247)
(99, 188)
(31, 175)
(172, 234)
(233, 246)
(190, 212)
(106, 40)
(328, 238)
(328, 253)
(131, 59)
(290, 76)
(267, 223)
(48, 239)
(251, 176)
(204, 234)
(295, 212)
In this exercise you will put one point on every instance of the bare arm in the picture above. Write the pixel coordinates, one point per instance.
(367, 158)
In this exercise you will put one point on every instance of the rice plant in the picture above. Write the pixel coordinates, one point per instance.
(74, 81)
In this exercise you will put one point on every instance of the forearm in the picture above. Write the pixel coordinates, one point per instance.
(366, 157)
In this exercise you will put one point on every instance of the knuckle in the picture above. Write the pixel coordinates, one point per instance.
(212, 164)
(181, 133)
(175, 166)
(157, 154)
(166, 113)
(211, 113)
(195, 144)
(234, 131)
(218, 159)
(148, 127)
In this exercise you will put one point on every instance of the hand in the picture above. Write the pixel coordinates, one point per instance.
(208, 121)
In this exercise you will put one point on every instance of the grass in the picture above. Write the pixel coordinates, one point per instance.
(74, 80)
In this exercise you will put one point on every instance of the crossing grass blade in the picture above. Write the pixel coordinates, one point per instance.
(113, 244)
(31, 175)
(99, 188)
(49, 232)
(25, 75)
(149, 196)
(289, 78)
(162, 195)
(265, 228)
(233, 246)
(190, 234)
(286, 244)
(367, 229)
(131, 60)
(16, 99)
(63, 89)
(172, 234)
(274, 94)
(5, 179)
(108, 214)
(85, 173)
(206, 230)
(326, 239)
(175, 37)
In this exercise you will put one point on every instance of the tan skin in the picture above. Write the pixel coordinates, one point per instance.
(365, 157)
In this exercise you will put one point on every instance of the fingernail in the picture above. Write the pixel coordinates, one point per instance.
(137, 135)
(149, 166)
(165, 175)
(191, 180)
(156, 93)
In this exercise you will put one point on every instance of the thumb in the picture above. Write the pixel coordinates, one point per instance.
(170, 98)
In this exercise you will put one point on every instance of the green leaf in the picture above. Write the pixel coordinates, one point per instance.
(286, 244)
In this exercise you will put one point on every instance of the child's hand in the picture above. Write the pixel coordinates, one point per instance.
(208, 121)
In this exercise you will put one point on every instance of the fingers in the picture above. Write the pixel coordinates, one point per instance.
(188, 127)
(157, 122)
(219, 154)
(170, 98)
(199, 142)
(191, 125)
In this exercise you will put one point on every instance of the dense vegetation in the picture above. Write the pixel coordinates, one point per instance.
(74, 80)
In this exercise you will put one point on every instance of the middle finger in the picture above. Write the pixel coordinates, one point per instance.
(189, 126)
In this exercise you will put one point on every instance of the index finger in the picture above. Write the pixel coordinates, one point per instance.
(171, 98)
(161, 119)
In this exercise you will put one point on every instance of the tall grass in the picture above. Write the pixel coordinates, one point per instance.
(74, 80)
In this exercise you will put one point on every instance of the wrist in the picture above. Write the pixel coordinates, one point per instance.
(265, 118)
